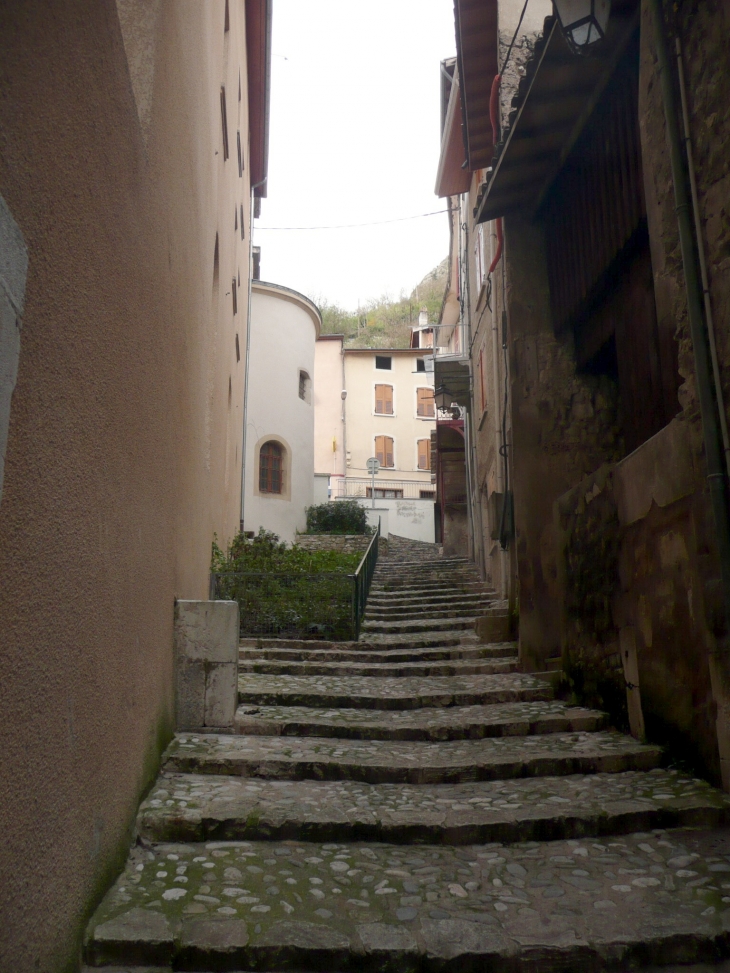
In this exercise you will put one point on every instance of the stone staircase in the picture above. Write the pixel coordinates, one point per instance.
(413, 802)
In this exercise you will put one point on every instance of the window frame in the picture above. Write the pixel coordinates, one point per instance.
(426, 388)
(383, 385)
(271, 471)
(427, 468)
(383, 464)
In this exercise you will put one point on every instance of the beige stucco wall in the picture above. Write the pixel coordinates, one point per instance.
(284, 329)
(329, 452)
(124, 447)
(363, 425)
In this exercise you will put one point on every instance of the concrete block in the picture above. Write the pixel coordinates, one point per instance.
(493, 627)
(221, 694)
(206, 663)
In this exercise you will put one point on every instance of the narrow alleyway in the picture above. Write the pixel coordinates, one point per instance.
(414, 802)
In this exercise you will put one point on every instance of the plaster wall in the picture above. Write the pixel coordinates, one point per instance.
(329, 445)
(284, 330)
(404, 426)
(405, 518)
(124, 444)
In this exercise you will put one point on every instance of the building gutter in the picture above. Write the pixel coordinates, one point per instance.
(706, 389)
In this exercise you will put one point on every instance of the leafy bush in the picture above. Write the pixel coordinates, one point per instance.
(285, 591)
(338, 517)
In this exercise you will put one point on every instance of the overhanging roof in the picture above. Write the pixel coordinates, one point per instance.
(452, 178)
(554, 101)
(477, 43)
(258, 52)
(453, 374)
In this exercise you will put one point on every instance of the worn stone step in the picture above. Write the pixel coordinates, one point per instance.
(403, 693)
(459, 667)
(417, 625)
(451, 610)
(433, 723)
(365, 644)
(303, 654)
(203, 807)
(409, 762)
(383, 601)
(405, 586)
(652, 898)
(413, 639)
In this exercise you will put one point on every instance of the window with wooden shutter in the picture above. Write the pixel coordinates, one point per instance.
(425, 404)
(384, 451)
(424, 454)
(271, 468)
(384, 400)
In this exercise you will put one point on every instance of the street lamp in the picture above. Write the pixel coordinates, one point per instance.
(583, 22)
(443, 398)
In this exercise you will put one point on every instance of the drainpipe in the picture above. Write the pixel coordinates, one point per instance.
(707, 392)
(248, 351)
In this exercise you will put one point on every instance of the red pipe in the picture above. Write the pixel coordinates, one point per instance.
(493, 117)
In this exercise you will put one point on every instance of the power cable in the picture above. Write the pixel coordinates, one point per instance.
(348, 226)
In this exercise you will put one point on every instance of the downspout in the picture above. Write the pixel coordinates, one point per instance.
(344, 421)
(707, 393)
(248, 353)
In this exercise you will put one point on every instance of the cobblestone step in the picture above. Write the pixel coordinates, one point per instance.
(304, 654)
(419, 614)
(403, 693)
(202, 807)
(415, 624)
(391, 599)
(378, 640)
(409, 762)
(652, 898)
(388, 669)
(434, 723)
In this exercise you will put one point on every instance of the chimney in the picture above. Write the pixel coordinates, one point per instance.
(423, 318)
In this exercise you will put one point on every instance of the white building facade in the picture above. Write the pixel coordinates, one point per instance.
(279, 445)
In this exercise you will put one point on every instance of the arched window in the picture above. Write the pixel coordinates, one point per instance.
(271, 468)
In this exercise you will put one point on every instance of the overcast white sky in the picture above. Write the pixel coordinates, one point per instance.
(354, 138)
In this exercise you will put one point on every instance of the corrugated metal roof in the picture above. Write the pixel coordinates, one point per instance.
(477, 43)
(554, 100)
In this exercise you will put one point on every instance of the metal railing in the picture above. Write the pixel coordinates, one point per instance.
(361, 581)
(300, 606)
(384, 489)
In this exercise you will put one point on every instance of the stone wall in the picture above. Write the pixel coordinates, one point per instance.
(345, 543)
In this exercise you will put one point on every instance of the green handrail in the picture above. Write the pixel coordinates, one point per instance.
(361, 581)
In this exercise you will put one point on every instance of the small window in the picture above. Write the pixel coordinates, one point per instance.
(427, 494)
(240, 155)
(420, 365)
(234, 293)
(226, 20)
(384, 400)
(242, 237)
(384, 361)
(238, 350)
(235, 218)
(384, 493)
(304, 385)
(425, 406)
(271, 468)
(424, 454)
(224, 123)
(384, 451)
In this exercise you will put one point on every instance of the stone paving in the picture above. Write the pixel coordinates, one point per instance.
(408, 820)
(432, 723)
(410, 761)
(457, 667)
(389, 693)
(190, 807)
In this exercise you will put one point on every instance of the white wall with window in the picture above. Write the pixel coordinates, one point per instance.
(389, 414)
(279, 438)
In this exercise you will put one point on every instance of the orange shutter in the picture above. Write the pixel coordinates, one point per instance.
(384, 400)
(424, 454)
(388, 451)
(425, 403)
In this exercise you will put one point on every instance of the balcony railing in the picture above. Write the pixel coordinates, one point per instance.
(353, 487)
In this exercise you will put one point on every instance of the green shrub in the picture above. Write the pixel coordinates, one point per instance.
(338, 517)
(286, 591)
